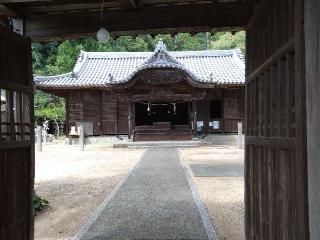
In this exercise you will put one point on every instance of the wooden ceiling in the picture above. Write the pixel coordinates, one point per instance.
(59, 19)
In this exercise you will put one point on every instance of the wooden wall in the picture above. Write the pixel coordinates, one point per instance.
(232, 101)
(275, 154)
(109, 111)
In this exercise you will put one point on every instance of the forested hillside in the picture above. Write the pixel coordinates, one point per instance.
(59, 57)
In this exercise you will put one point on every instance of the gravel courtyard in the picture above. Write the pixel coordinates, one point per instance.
(218, 175)
(75, 183)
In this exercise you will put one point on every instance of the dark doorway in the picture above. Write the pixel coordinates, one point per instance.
(148, 113)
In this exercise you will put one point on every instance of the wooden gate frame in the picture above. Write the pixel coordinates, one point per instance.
(276, 157)
(255, 221)
(17, 143)
(312, 26)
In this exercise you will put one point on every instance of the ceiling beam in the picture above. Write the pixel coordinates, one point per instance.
(198, 17)
(130, 4)
(5, 11)
(22, 1)
(57, 8)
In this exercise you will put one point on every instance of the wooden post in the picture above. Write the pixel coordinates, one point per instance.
(194, 110)
(67, 115)
(133, 119)
(129, 126)
(223, 121)
(81, 137)
(206, 115)
(129, 120)
(39, 138)
(100, 113)
(117, 116)
(313, 113)
(240, 143)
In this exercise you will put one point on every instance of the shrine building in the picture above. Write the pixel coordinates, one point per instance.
(160, 95)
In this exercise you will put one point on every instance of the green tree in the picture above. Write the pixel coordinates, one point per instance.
(67, 53)
(230, 41)
(49, 107)
(53, 58)
(43, 54)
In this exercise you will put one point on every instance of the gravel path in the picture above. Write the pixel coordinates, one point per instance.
(155, 202)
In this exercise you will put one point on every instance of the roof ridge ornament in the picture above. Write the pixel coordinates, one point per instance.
(79, 63)
(160, 58)
(73, 74)
(161, 46)
(111, 78)
(212, 78)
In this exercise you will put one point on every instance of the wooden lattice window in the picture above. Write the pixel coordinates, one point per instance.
(14, 119)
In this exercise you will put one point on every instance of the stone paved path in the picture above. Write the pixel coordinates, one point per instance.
(154, 202)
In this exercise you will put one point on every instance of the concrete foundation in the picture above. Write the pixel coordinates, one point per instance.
(123, 141)
(101, 140)
(222, 139)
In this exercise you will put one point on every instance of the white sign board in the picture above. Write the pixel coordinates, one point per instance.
(216, 124)
(199, 125)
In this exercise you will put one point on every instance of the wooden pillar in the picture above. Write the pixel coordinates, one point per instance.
(206, 114)
(117, 116)
(100, 113)
(222, 124)
(301, 178)
(194, 110)
(81, 137)
(133, 121)
(312, 26)
(240, 143)
(82, 103)
(130, 120)
(190, 115)
(67, 116)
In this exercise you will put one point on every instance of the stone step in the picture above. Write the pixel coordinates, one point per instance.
(158, 144)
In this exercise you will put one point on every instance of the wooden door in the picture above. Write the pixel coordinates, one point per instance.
(275, 154)
(16, 137)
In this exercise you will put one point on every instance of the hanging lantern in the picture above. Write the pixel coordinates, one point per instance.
(103, 35)
(174, 108)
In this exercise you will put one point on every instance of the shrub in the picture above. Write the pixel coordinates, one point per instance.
(39, 203)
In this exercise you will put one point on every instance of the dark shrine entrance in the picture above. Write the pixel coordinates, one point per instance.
(160, 120)
(148, 113)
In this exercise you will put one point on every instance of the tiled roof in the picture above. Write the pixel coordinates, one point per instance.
(101, 69)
